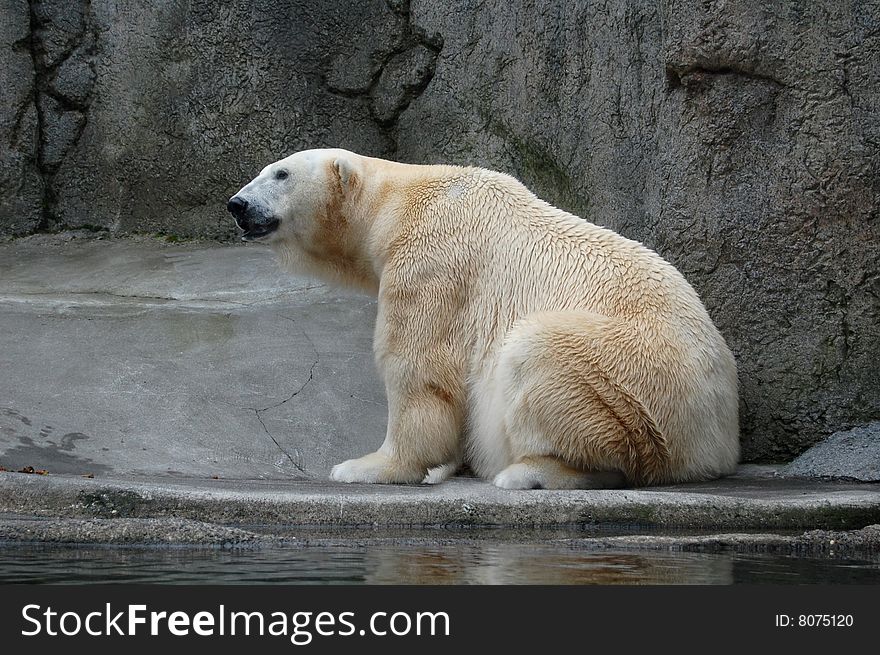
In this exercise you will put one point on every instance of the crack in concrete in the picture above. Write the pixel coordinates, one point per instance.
(295, 463)
(258, 411)
(298, 391)
(311, 368)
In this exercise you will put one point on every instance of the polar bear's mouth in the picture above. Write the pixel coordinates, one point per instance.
(255, 232)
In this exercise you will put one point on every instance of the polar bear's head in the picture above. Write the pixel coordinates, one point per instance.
(299, 206)
(286, 196)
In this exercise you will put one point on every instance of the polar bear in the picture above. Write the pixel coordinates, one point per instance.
(540, 349)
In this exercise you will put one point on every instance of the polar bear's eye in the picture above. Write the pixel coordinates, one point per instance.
(281, 174)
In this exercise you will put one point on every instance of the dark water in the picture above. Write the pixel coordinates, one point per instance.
(470, 563)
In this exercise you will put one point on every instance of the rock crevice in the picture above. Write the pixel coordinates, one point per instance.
(392, 75)
(62, 46)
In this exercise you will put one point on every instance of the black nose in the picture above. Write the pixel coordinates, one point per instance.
(237, 207)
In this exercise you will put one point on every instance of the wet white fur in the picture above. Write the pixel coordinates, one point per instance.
(540, 349)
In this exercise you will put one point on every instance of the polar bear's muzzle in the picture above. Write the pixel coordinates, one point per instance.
(249, 219)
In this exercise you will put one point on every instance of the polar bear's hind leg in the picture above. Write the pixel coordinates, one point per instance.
(569, 422)
(535, 472)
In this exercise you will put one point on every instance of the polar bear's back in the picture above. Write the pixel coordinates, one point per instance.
(548, 259)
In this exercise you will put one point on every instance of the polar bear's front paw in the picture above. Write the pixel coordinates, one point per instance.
(375, 468)
(357, 470)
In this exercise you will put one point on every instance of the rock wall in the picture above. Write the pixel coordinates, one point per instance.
(738, 139)
(21, 181)
(148, 115)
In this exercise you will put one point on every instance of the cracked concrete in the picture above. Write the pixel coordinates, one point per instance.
(298, 461)
(187, 360)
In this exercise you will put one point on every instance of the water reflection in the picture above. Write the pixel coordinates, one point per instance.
(460, 563)
(517, 564)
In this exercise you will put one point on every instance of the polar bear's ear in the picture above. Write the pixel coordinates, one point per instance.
(345, 170)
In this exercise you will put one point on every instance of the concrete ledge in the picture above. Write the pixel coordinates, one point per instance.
(127, 532)
(751, 501)
(165, 532)
(814, 543)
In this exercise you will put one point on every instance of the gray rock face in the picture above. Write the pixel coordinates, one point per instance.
(142, 118)
(191, 100)
(737, 139)
(21, 184)
(853, 454)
